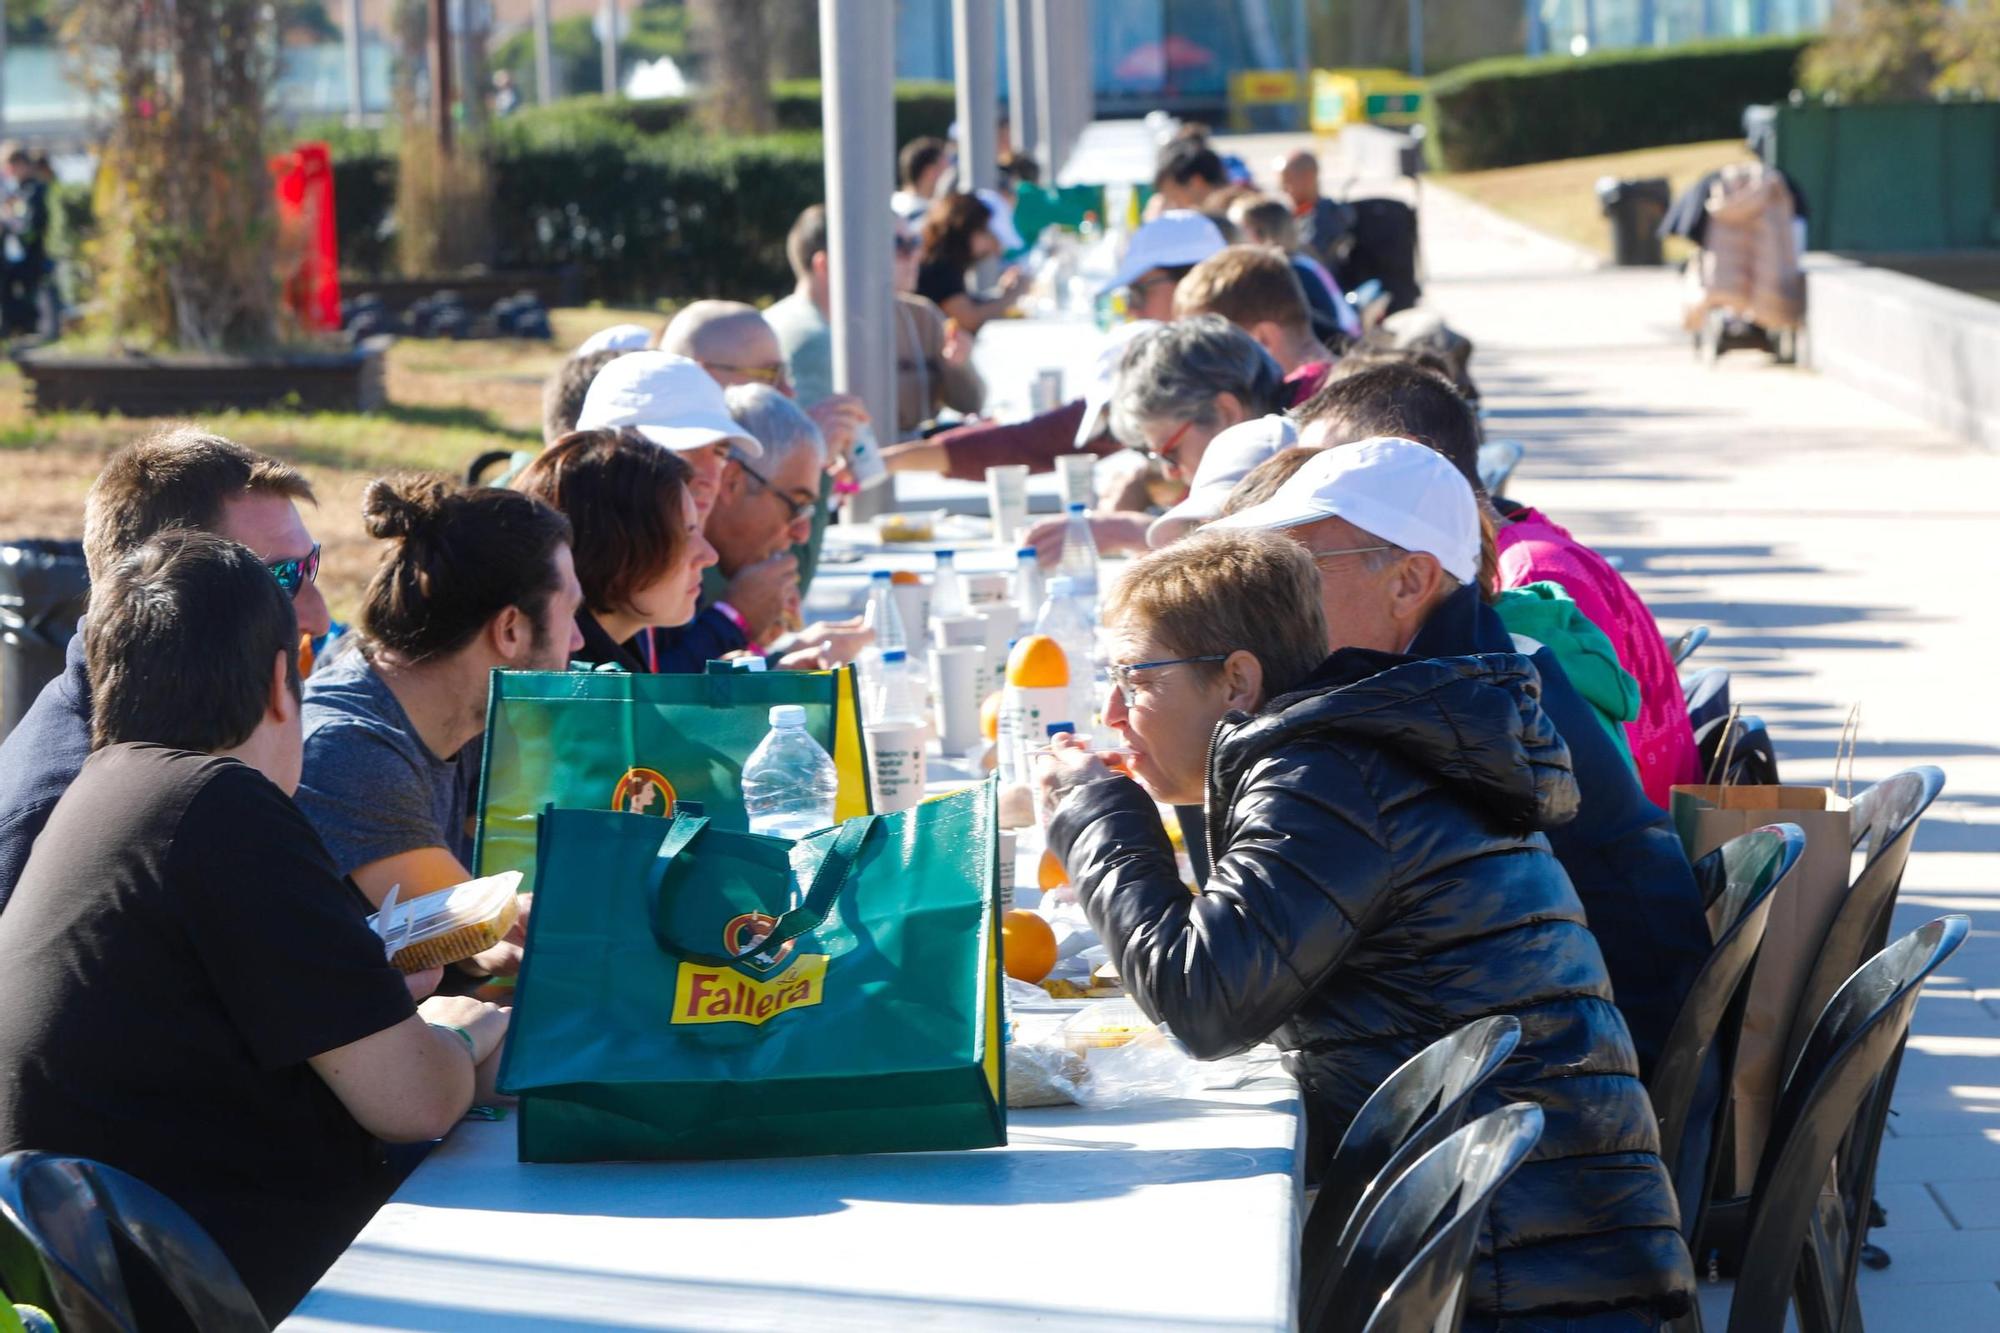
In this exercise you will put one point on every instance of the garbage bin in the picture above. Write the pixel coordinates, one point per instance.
(1636, 209)
(43, 586)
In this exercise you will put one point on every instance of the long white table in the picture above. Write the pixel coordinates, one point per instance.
(1170, 1216)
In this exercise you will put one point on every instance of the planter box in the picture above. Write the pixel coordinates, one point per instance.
(176, 385)
(478, 290)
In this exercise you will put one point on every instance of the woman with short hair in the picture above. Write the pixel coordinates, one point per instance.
(637, 537)
(1379, 880)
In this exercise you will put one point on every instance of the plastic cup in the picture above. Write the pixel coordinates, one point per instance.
(913, 604)
(1007, 502)
(958, 680)
(1003, 626)
(895, 764)
(1078, 473)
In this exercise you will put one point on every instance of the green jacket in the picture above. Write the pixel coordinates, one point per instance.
(1543, 612)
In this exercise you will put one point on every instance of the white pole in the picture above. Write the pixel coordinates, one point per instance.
(610, 48)
(857, 40)
(1049, 146)
(545, 65)
(978, 73)
(355, 106)
(1024, 107)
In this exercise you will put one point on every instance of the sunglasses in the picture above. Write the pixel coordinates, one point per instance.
(774, 376)
(1165, 454)
(908, 245)
(293, 575)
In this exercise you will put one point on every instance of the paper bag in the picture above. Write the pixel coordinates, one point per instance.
(1705, 818)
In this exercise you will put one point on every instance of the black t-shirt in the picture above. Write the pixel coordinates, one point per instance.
(940, 281)
(178, 946)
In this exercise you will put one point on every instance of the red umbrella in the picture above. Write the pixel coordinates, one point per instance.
(1152, 62)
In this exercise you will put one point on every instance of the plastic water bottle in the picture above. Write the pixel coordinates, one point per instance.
(949, 598)
(1065, 619)
(883, 615)
(1079, 559)
(789, 783)
(1028, 591)
(899, 691)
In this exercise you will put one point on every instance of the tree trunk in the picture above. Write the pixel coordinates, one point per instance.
(793, 27)
(729, 38)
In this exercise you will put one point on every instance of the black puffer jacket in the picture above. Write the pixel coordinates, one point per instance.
(1379, 881)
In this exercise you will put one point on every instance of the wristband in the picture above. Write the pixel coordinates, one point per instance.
(471, 1047)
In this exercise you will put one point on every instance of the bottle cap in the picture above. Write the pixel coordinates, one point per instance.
(1026, 551)
(1062, 728)
(895, 654)
(944, 557)
(788, 715)
(880, 576)
(1077, 508)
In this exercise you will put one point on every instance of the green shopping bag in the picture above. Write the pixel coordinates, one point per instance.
(612, 740)
(693, 992)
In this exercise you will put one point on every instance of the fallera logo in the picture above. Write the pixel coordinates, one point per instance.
(644, 791)
(705, 994)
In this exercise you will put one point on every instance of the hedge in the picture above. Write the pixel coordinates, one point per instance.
(921, 108)
(1513, 110)
(641, 216)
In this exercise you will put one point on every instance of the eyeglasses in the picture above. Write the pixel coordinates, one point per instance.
(798, 509)
(1121, 672)
(1165, 454)
(775, 376)
(293, 575)
(1350, 550)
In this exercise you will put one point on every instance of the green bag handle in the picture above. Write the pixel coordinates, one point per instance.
(807, 917)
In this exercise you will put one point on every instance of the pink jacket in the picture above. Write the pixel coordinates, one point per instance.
(1533, 549)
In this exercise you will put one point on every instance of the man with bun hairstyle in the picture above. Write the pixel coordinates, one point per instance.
(471, 579)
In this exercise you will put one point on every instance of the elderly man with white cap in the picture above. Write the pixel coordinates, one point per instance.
(1394, 529)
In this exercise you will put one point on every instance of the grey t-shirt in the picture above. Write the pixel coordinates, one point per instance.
(808, 345)
(371, 787)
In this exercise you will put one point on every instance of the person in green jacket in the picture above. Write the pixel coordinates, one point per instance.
(1543, 612)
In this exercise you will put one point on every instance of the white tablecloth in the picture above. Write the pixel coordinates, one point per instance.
(1170, 1216)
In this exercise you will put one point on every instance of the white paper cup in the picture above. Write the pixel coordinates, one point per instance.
(958, 682)
(1079, 479)
(961, 632)
(895, 764)
(982, 590)
(1003, 626)
(1009, 850)
(1007, 502)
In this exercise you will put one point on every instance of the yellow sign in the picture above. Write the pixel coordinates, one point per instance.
(722, 995)
(1263, 87)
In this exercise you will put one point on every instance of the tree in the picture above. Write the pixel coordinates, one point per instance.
(186, 238)
(728, 36)
(1876, 51)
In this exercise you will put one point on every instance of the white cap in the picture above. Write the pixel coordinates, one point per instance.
(1104, 376)
(1399, 490)
(617, 338)
(668, 399)
(1002, 223)
(1229, 458)
(1178, 236)
(787, 715)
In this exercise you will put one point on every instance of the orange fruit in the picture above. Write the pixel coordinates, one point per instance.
(1027, 945)
(989, 716)
(1037, 662)
(1052, 873)
(906, 577)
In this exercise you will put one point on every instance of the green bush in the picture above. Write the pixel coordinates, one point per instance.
(1505, 112)
(921, 108)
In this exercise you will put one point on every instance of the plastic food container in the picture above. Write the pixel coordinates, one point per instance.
(451, 924)
(1105, 1023)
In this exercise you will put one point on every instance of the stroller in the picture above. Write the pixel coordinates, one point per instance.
(1744, 289)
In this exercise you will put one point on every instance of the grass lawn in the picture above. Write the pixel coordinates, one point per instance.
(449, 402)
(1560, 198)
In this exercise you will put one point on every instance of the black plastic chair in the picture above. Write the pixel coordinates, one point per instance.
(72, 1213)
(1684, 647)
(1416, 1108)
(1497, 462)
(1804, 1243)
(1707, 695)
(1738, 755)
(1412, 1252)
(1738, 881)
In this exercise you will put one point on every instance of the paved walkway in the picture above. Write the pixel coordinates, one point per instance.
(1843, 553)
